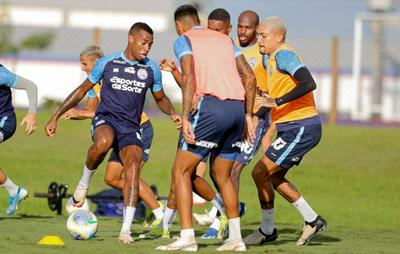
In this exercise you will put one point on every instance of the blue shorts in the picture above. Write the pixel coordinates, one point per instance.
(8, 124)
(146, 130)
(218, 126)
(291, 145)
(121, 139)
(249, 149)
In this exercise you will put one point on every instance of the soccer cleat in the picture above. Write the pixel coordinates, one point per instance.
(125, 237)
(180, 245)
(202, 219)
(310, 229)
(79, 195)
(152, 234)
(233, 245)
(258, 237)
(13, 201)
(211, 233)
(223, 230)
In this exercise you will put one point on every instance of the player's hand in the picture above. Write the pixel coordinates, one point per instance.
(167, 65)
(177, 119)
(269, 102)
(30, 121)
(187, 132)
(250, 132)
(51, 127)
(71, 114)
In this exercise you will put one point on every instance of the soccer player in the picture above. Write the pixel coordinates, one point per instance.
(216, 73)
(114, 169)
(10, 80)
(126, 76)
(293, 110)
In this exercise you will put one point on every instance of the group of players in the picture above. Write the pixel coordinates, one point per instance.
(235, 97)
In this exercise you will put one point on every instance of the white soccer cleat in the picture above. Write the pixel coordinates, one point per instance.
(202, 219)
(125, 237)
(79, 195)
(310, 229)
(233, 245)
(181, 245)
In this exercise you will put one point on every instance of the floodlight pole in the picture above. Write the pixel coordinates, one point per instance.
(377, 67)
(357, 46)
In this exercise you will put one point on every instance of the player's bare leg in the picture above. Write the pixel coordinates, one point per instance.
(103, 139)
(130, 157)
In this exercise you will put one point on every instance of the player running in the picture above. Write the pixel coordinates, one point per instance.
(213, 70)
(8, 121)
(114, 169)
(126, 76)
(291, 100)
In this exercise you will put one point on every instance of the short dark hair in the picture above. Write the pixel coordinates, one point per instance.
(140, 26)
(220, 14)
(186, 10)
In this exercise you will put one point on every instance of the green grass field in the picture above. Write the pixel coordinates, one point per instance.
(352, 178)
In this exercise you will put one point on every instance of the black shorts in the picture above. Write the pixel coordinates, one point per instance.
(291, 145)
(121, 139)
(8, 125)
(146, 131)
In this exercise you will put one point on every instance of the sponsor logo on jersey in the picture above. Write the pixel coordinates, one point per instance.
(115, 70)
(296, 159)
(206, 144)
(127, 85)
(118, 61)
(130, 70)
(142, 74)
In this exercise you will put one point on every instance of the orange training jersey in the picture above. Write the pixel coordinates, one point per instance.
(214, 56)
(254, 59)
(280, 68)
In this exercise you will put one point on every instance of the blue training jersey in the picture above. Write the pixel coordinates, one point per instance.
(7, 81)
(124, 88)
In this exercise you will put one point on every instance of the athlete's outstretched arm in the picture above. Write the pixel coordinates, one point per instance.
(165, 105)
(31, 89)
(72, 99)
(249, 84)
(81, 114)
(188, 86)
(169, 65)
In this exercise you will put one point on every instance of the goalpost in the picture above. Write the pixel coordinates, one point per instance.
(369, 99)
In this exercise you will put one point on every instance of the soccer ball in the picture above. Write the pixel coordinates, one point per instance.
(82, 225)
(70, 208)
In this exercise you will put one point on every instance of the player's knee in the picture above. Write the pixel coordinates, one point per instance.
(103, 145)
(259, 171)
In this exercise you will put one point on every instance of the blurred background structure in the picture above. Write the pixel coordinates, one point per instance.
(352, 47)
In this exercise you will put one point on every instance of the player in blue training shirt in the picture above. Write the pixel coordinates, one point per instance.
(126, 76)
(10, 80)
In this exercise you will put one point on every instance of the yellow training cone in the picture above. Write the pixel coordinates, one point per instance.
(52, 240)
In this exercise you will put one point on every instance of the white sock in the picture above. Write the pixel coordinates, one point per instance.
(86, 176)
(168, 218)
(213, 213)
(128, 218)
(267, 222)
(216, 224)
(158, 213)
(187, 234)
(234, 229)
(305, 209)
(11, 187)
(218, 203)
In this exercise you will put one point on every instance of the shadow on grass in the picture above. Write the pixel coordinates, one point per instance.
(25, 216)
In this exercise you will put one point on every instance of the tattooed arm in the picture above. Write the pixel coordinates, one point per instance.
(188, 86)
(75, 97)
(249, 84)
